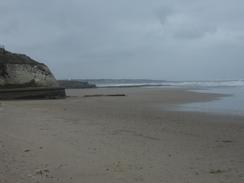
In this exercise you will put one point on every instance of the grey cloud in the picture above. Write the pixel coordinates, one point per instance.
(192, 32)
(130, 38)
(163, 13)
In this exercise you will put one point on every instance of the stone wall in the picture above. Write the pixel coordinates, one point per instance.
(32, 93)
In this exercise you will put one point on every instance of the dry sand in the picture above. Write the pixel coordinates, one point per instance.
(119, 140)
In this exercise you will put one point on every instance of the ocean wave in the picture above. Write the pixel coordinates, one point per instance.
(129, 84)
(234, 83)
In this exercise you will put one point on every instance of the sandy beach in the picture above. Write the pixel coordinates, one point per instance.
(124, 139)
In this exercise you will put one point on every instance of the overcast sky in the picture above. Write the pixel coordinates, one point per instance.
(154, 39)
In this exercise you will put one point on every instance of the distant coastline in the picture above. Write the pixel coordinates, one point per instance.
(75, 84)
(125, 83)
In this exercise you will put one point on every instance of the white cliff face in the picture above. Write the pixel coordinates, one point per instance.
(29, 75)
(20, 71)
(21, 77)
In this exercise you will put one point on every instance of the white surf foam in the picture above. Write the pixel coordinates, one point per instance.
(233, 83)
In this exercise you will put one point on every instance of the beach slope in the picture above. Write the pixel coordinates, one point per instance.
(131, 138)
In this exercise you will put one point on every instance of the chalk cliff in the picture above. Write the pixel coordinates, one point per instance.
(18, 71)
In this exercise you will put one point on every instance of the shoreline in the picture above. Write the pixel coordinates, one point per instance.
(119, 139)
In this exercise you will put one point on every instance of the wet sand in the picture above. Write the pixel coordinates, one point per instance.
(119, 139)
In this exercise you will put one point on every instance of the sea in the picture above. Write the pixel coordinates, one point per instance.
(231, 103)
